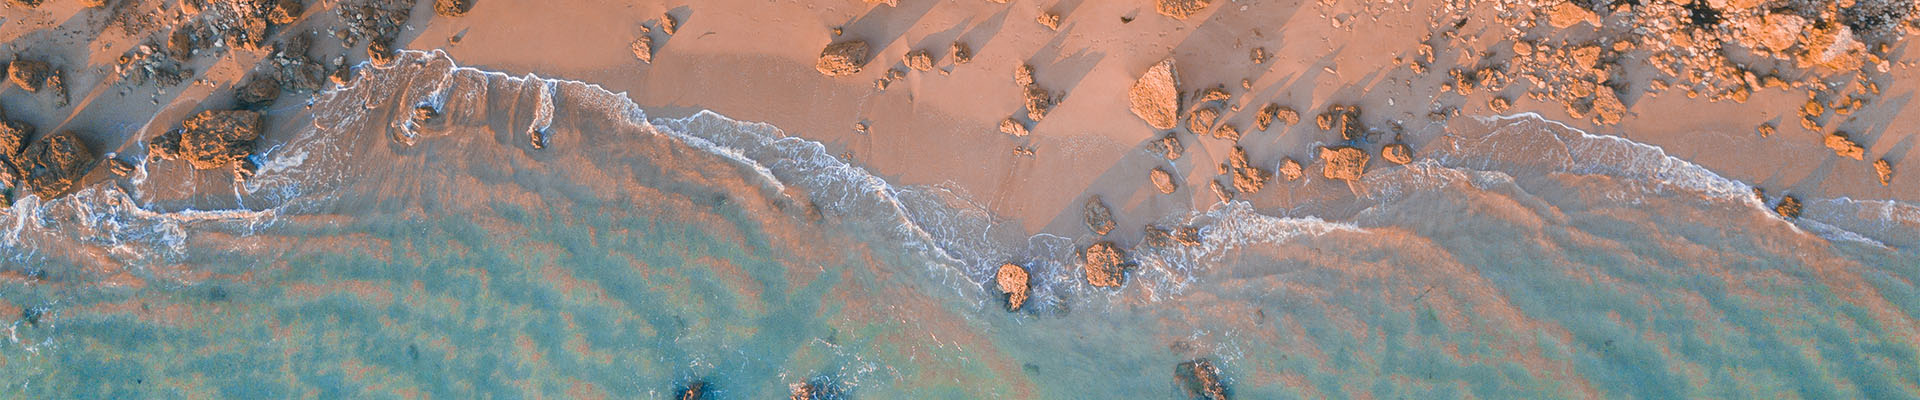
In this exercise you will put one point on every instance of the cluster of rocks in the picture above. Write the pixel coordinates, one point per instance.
(1037, 99)
(377, 22)
(643, 46)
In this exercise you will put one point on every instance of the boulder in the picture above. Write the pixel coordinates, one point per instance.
(1344, 120)
(1049, 20)
(1012, 280)
(1180, 9)
(1023, 75)
(1343, 162)
(1105, 265)
(1845, 147)
(960, 52)
(30, 75)
(919, 60)
(1168, 145)
(1199, 379)
(1099, 218)
(1156, 96)
(1039, 103)
(669, 24)
(1162, 180)
(286, 11)
(218, 138)
(52, 165)
(843, 58)
(1200, 121)
(258, 93)
(1226, 131)
(643, 48)
(13, 136)
(1397, 153)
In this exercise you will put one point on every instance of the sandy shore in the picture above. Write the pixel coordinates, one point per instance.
(753, 60)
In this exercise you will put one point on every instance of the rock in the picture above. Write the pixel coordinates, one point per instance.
(1789, 207)
(119, 167)
(960, 52)
(1099, 218)
(1344, 120)
(54, 164)
(1212, 94)
(1568, 14)
(1833, 47)
(669, 24)
(1765, 129)
(919, 60)
(1258, 55)
(29, 75)
(1290, 169)
(843, 58)
(1023, 75)
(217, 139)
(1885, 170)
(1499, 104)
(1039, 102)
(1199, 379)
(1168, 145)
(1049, 20)
(258, 93)
(818, 389)
(1774, 31)
(452, 8)
(1105, 265)
(1272, 112)
(1220, 192)
(1162, 180)
(1844, 146)
(1183, 236)
(1226, 131)
(1013, 127)
(286, 11)
(380, 52)
(425, 114)
(27, 3)
(1344, 162)
(643, 48)
(889, 3)
(1247, 178)
(1156, 96)
(1397, 153)
(1607, 109)
(1180, 9)
(1012, 280)
(1201, 120)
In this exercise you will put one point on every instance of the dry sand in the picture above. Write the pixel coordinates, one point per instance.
(753, 60)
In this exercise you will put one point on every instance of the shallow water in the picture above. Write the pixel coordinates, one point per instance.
(376, 257)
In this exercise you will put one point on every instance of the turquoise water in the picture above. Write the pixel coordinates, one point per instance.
(377, 257)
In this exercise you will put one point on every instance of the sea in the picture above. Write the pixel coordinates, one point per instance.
(546, 238)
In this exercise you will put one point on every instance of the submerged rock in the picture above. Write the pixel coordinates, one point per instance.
(1885, 170)
(843, 58)
(1397, 153)
(217, 138)
(1845, 147)
(1156, 96)
(1099, 218)
(54, 164)
(694, 390)
(1183, 236)
(1162, 180)
(1789, 207)
(1105, 265)
(1012, 280)
(1180, 9)
(1343, 162)
(1199, 379)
